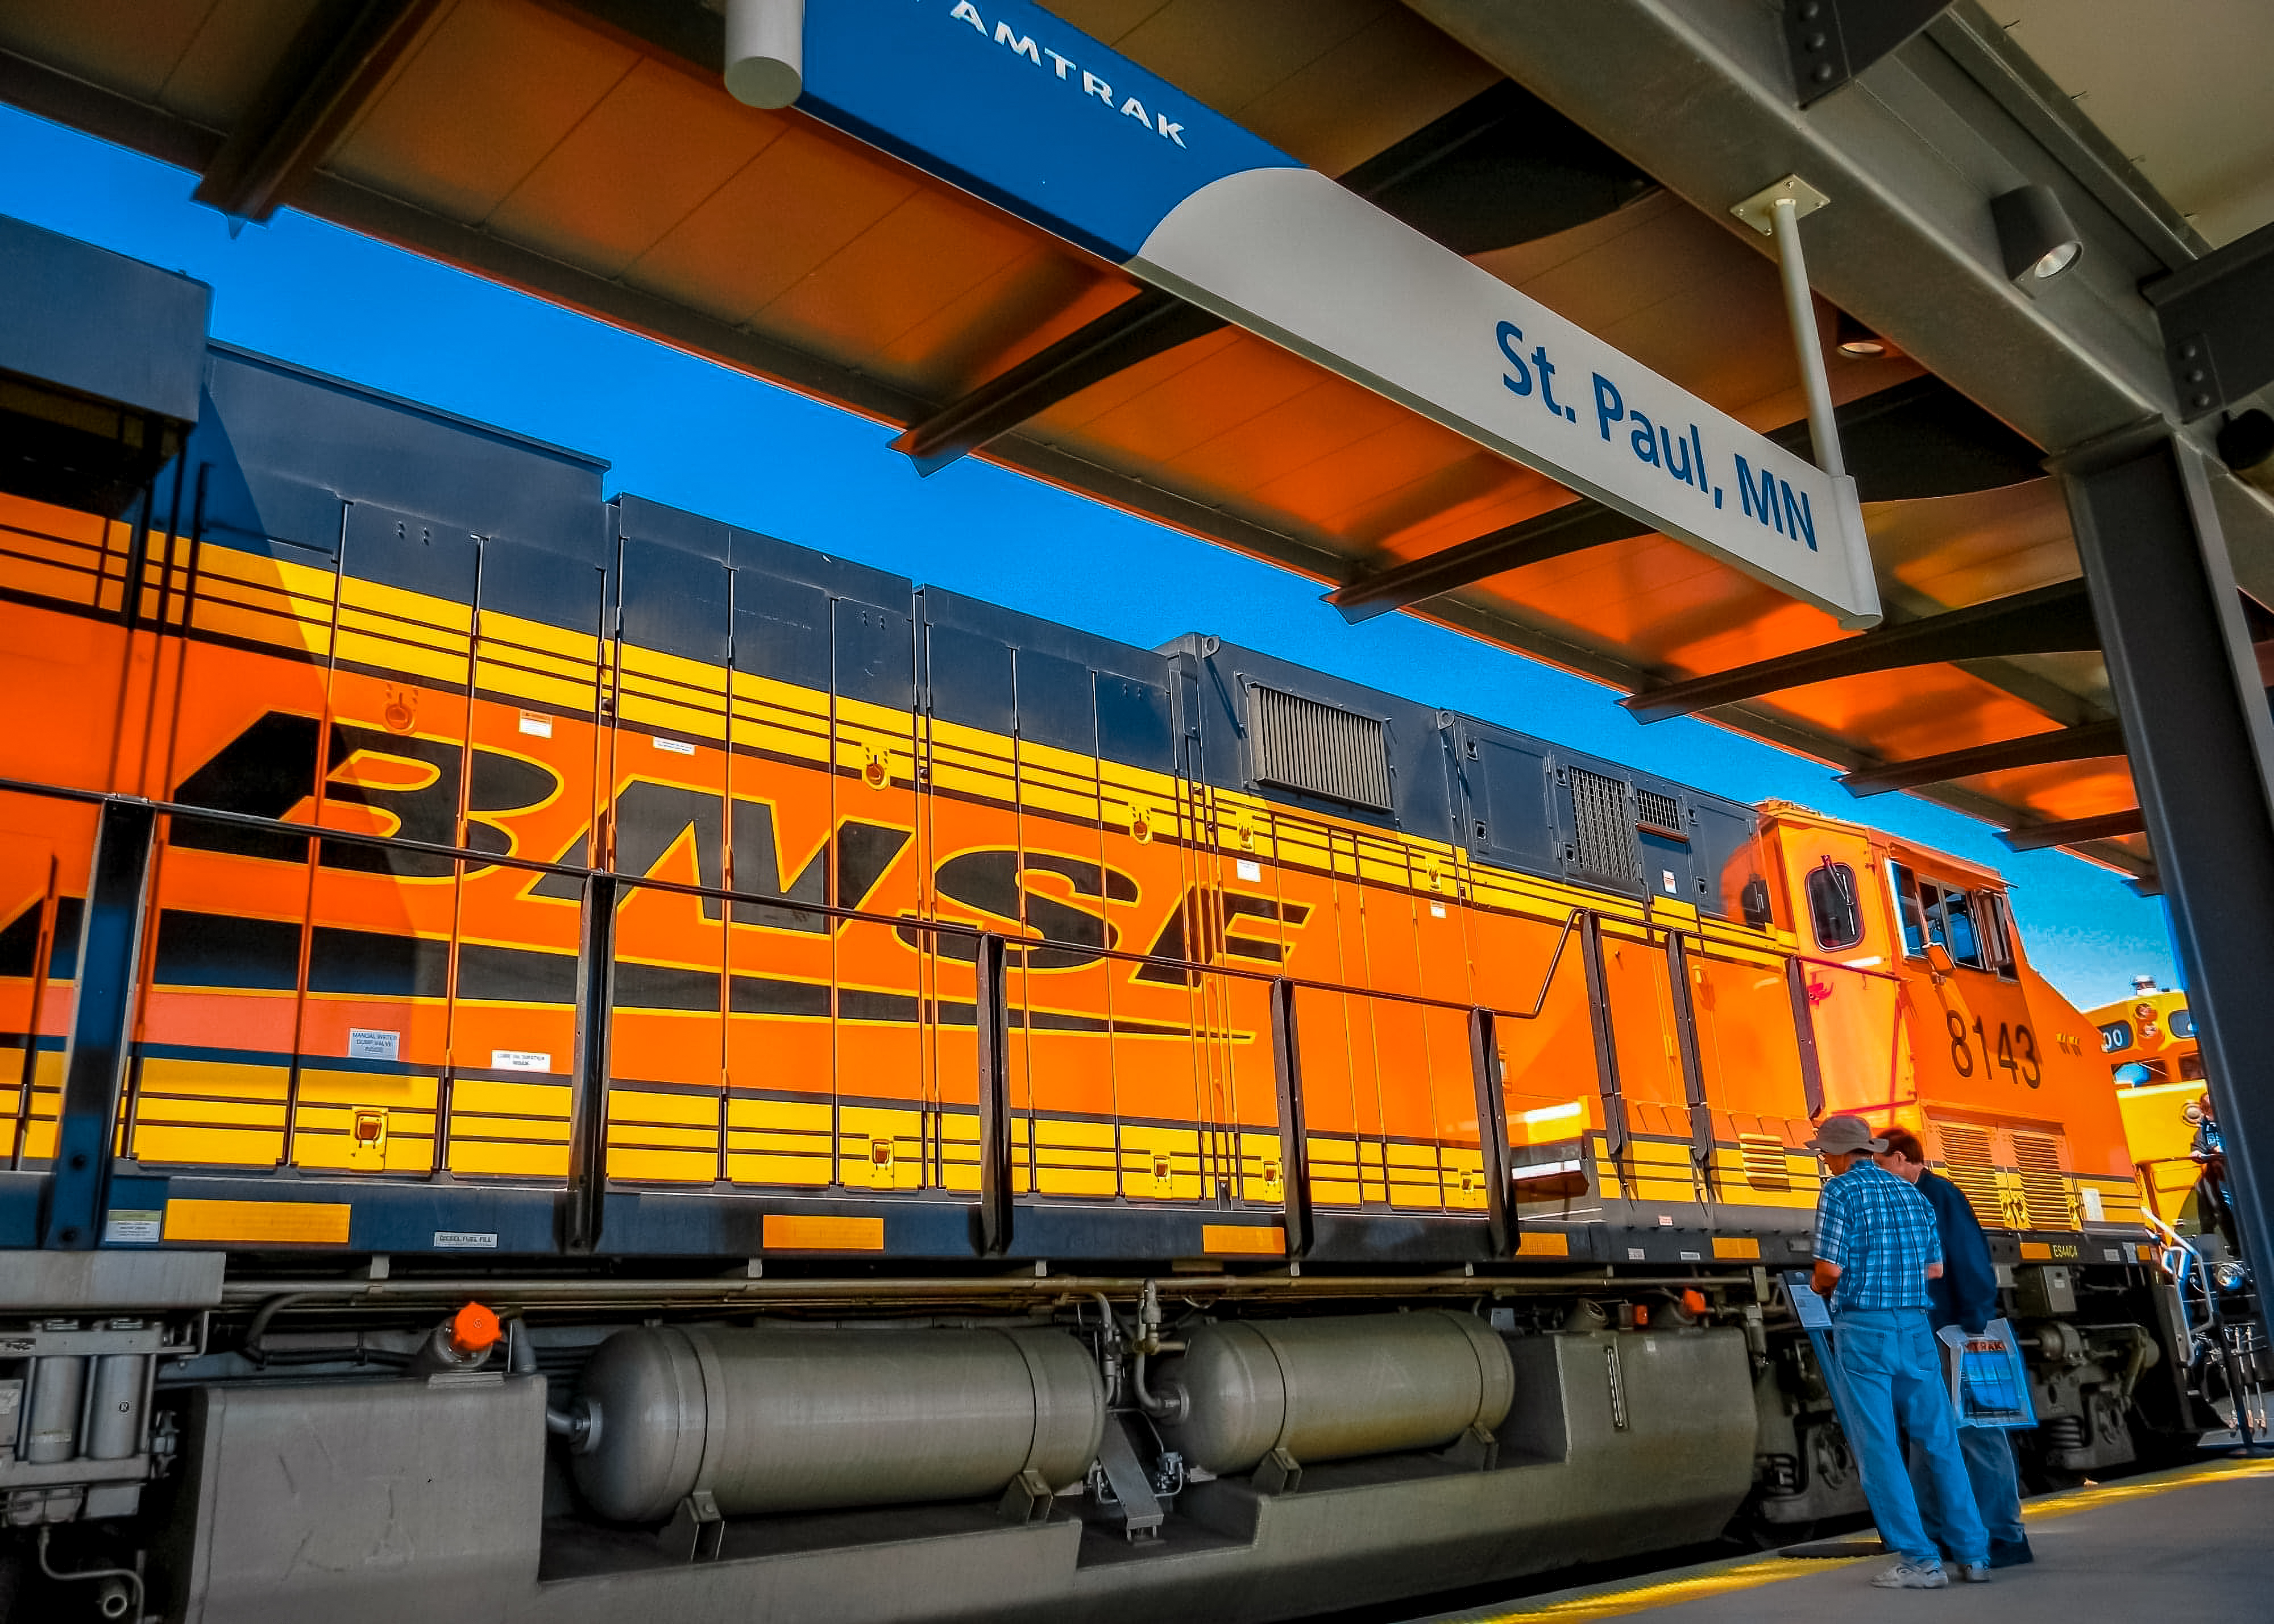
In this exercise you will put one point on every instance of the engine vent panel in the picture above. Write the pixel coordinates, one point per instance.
(1603, 829)
(1320, 749)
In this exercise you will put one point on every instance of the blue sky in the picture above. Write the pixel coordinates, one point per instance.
(686, 431)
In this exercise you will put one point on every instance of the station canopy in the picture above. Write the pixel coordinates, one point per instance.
(1586, 153)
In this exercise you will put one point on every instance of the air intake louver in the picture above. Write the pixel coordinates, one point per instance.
(1322, 749)
(1967, 1161)
(1765, 1167)
(2045, 1189)
(1605, 828)
(1662, 813)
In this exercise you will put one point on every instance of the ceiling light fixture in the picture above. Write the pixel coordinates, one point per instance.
(2034, 234)
(1856, 341)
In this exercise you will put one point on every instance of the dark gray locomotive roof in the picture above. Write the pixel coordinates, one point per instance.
(284, 460)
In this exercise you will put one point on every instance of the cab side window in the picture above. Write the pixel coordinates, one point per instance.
(1949, 922)
(1900, 880)
(1997, 922)
(1832, 905)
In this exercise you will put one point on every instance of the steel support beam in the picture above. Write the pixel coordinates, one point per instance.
(340, 58)
(1572, 528)
(2051, 620)
(2202, 744)
(1832, 41)
(102, 1014)
(2217, 317)
(1151, 322)
(2071, 831)
(2062, 744)
(1920, 438)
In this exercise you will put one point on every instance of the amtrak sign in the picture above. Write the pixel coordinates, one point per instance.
(1005, 99)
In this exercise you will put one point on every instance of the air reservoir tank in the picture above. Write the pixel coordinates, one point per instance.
(1328, 1389)
(790, 1419)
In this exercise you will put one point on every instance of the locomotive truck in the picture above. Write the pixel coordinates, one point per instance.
(572, 1056)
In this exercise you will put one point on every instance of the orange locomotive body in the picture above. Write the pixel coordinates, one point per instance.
(427, 881)
(807, 869)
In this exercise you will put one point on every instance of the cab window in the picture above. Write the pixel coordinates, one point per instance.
(1997, 922)
(2180, 1022)
(1907, 909)
(1832, 905)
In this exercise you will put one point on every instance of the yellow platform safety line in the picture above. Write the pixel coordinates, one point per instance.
(1620, 1597)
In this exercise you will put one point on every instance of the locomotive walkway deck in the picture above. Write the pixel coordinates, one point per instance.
(2187, 1543)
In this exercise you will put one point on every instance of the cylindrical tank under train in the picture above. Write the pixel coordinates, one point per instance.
(788, 1419)
(1333, 1389)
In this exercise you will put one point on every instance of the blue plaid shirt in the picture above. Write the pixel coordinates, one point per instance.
(1881, 1233)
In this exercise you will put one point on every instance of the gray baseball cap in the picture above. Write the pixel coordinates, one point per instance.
(1839, 1136)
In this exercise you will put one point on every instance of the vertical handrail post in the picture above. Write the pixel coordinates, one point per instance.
(1606, 1036)
(588, 1133)
(1804, 1028)
(990, 1011)
(1491, 1130)
(102, 1011)
(1693, 1065)
(43, 956)
(1294, 1158)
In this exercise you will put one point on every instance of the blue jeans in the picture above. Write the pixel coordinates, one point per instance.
(1989, 1454)
(1892, 1374)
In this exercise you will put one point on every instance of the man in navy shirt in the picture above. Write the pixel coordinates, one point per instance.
(1965, 1296)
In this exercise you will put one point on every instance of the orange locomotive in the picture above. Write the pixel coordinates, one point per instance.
(340, 1008)
(498, 879)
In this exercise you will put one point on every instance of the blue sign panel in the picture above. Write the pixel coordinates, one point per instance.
(1022, 108)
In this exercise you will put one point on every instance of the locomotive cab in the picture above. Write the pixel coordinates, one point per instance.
(1930, 1017)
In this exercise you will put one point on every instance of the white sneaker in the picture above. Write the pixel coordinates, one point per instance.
(1909, 1576)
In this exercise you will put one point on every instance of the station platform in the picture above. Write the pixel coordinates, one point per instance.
(2187, 1543)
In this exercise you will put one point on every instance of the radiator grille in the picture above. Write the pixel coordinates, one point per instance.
(1604, 833)
(2045, 1192)
(1967, 1163)
(1659, 811)
(1323, 749)
(1765, 1167)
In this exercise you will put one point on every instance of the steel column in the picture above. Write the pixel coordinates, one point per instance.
(1294, 1154)
(588, 1132)
(102, 1014)
(989, 1011)
(1491, 1130)
(2202, 745)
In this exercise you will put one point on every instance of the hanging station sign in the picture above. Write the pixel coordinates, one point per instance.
(1009, 102)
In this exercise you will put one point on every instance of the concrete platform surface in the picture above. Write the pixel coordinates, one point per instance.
(2197, 1542)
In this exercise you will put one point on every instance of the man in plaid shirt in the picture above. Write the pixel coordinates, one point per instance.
(1876, 1249)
